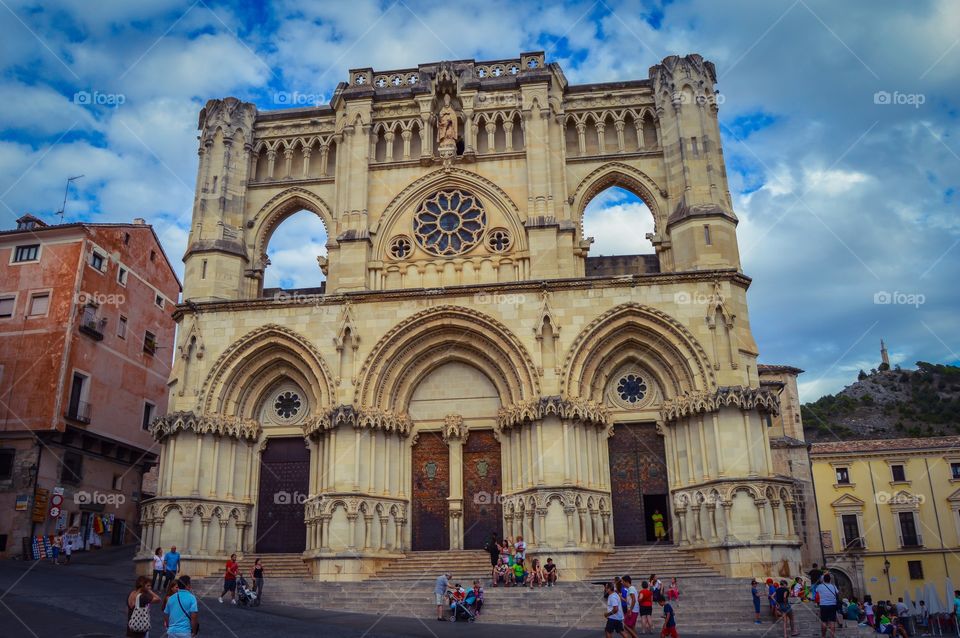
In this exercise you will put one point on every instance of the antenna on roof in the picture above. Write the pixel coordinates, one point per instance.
(65, 191)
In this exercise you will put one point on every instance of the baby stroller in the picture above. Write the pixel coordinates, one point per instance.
(462, 610)
(245, 596)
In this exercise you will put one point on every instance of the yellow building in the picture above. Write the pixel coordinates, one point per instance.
(889, 513)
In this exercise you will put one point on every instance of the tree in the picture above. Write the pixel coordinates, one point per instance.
(861, 376)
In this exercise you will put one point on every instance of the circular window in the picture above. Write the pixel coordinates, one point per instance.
(287, 405)
(361, 79)
(400, 247)
(481, 72)
(498, 240)
(413, 78)
(513, 69)
(381, 82)
(632, 388)
(533, 63)
(396, 80)
(449, 222)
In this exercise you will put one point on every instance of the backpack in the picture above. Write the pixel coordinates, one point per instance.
(139, 618)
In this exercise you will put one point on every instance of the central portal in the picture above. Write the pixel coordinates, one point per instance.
(638, 482)
(284, 484)
(431, 487)
(482, 511)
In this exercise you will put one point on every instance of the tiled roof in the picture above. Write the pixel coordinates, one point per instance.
(886, 445)
(763, 367)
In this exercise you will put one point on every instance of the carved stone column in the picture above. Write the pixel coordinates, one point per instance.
(508, 135)
(204, 527)
(212, 492)
(791, 511)
(712, 517)
(196, 467)
(352, 521)
(619, 126)
(775, 511)
(388, 137)
(582, 138)
(455, 434)
(307, 151)
(491, 129)
(697, 523)
(569, 510)
(583, 524)
(531, 537)
(222, 538)
(728, 522)
(605, 517)
(760, 504)
(185, 544)
(542, 518)
(325, 532)
(681, 513)
(367, 530)
(406, 136)
(383, 533)
(595, 537)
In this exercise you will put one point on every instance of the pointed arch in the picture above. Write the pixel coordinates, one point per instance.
(431, 338)
(626, 177)
(278, 209)
(636, 332)
(257, 361)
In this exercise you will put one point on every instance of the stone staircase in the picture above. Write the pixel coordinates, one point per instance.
(465, 566)
(664, 560)
(276, 566)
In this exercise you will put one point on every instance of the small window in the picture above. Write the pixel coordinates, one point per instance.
(203, 269)
(843, 476)
(26, 253)
(122, 276)
(6, 464)
(122, 327)
(71, 469)
(39, 304)
(98, 261)
(916, 569)
(118, 481)
(7, 303)
(148, 409)
(153, 255)
(149, 343)
(768, 420)
(706, 236)
(899, 476)
(126, 239)
(955, 470)
(159, 301)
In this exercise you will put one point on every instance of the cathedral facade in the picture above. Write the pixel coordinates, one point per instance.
(468, 367)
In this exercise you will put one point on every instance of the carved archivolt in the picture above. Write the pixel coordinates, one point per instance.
(277, 209)
(625, 176)
(358, 417)
(324, 505)
(723, 494)
(218, 424)
(416, 346)
(635, 331)
(728, 396)
(578, 410)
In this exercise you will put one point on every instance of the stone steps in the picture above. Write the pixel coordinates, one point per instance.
(276, 566)
(463, 565)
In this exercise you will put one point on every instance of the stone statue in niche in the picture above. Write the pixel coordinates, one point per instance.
(447, 125)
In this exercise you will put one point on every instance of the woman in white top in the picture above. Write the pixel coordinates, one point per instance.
(158, 569)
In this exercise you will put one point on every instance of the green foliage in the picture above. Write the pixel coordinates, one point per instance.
(861, 376)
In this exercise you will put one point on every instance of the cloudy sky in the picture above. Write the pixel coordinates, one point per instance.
(839, 123)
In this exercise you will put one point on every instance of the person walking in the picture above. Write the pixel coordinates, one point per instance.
(230, 579)
(669, 629)
(140, 599)
(829, 597)
(645, 607)
(440, 588)
(67, 549)
(632, 612)
(755, 593)
(171, 565)
(614, 613)
(55, 549)
(258, 581)
(157, 583)
(181, 615)
(785, 609)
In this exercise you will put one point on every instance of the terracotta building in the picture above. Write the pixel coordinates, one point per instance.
(86, 344)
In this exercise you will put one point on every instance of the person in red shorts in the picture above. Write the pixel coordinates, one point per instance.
(632, 611)
(669, 621)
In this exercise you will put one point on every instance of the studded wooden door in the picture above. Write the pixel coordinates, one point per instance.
(637, 469)
(430, 521)
(482, 511)
(284, 485)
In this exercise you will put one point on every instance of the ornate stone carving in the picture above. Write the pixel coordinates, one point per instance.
(563, 407)
(358, 417)
(230, 115)
(454, 428)
(218, 424)
(727, 396)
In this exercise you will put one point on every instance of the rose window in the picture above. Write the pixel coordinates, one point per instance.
(498, 240)
(482, 72)
(449, 222)
(287, 405)
(400, 247)
(632, 388)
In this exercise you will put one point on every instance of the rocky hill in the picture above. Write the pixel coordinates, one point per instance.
(889, 403)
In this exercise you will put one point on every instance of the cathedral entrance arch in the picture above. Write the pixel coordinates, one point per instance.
(284, 484)
(482, 489)
(638, 482)
(431, 487)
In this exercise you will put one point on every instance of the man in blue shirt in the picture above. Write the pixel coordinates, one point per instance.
(171, 565)
(180, 614)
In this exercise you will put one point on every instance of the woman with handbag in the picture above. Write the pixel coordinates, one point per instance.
(138, 608)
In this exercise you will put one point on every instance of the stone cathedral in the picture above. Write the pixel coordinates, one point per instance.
(468, 367)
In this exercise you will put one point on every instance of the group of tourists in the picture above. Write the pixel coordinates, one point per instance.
(627, 607)
(455, 601)
(509, 567)
(179, 604)
(61, 545)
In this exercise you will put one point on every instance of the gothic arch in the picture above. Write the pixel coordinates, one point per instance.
(489, 193)
(430, 338)
(626, 177)
(258, 359)
(639, 333)
(278, 209)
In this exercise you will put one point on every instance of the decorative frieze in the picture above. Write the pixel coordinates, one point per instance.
(563, 407)
(357, 417)
(218, 424)
(727, 396)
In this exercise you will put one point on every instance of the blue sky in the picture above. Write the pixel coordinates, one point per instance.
(839, 125)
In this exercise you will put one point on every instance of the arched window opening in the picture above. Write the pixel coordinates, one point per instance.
(618, 221)
(292, 252)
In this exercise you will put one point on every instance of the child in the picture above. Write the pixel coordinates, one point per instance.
(868, 611)
(518, 574)
(669, 620)
(755, 592)
(673, 594)
(477, 592)
(501, 574)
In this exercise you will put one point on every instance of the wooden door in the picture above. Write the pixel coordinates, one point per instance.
(637, 469)
(430, 520)
(482, 486)
(284, 486)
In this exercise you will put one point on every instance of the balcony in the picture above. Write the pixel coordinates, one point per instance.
(855, 544)
(78, 411)
(93, 327)
(910, 540)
